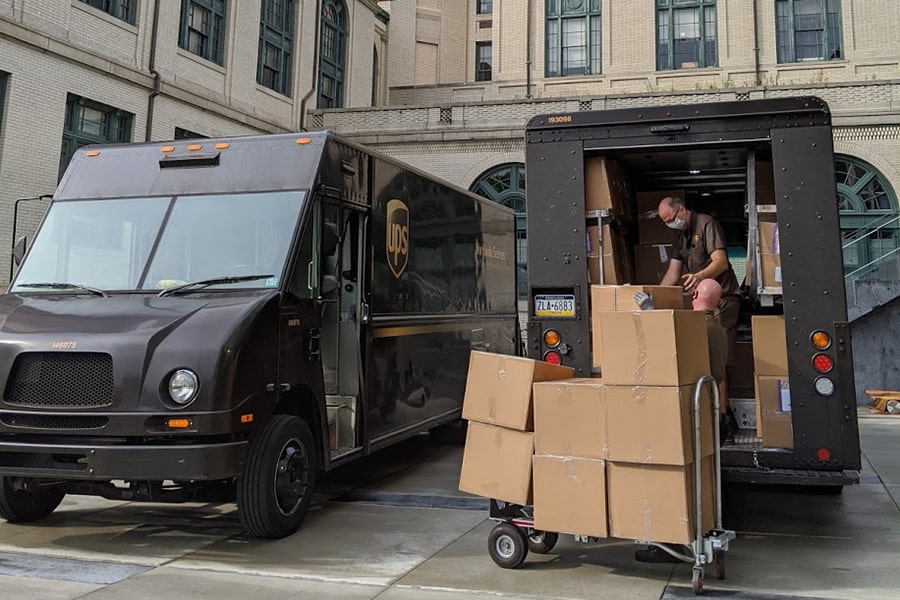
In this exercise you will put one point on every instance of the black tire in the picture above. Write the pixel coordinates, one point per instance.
(25, 506)
(277, 484)
(542, 542)
(697, 580)
(451, 434)
(507, 546)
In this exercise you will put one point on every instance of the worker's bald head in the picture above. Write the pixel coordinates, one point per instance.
(707, 295)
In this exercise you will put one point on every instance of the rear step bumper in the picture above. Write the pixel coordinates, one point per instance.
(766, 475)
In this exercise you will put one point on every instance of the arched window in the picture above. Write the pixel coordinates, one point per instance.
(505, 184)
(332, 54)
(870, 220)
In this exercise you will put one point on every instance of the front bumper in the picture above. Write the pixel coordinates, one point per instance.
(187, 462)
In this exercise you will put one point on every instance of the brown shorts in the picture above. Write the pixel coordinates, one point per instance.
(728, 314)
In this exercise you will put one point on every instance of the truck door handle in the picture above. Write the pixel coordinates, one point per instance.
(364, 312)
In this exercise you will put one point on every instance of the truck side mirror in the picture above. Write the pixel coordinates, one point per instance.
(19, 249)
(329, 238)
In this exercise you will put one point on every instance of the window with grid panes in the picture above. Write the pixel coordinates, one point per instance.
(121, 9)
(3, 78)
(573, 37)
(88, 122)
(483, 61)
(332, 49)
(685, 34)
(808, 30)
(202, 30)
(484, 7)
(276, 41)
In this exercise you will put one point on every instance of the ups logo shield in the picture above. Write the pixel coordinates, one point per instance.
(397, 236)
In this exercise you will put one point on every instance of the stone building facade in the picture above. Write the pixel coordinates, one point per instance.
(74, 72)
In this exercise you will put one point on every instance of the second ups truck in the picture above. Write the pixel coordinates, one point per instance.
(765, 170)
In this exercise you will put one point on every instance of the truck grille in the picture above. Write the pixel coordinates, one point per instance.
(54, 421)
(61, 380)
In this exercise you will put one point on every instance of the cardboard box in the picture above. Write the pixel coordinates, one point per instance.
(654, 425)
(656, 502)
(621, 298)
(773, 424)
(570, 495)
(653, 347)
(606, 185)
(651, 263)
(498, 388)
(497, 463)
(618, 263)
(570, 418)
(769, 345)
(770, 254)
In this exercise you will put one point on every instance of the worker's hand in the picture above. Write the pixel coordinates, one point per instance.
(644, 301)
(690, 281)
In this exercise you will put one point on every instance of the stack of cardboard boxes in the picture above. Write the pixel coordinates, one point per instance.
(500, 438)
(651, 363)
(606, 457)
(773, 394)
(606, 186)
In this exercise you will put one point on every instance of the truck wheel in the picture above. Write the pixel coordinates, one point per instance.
(24, 506)
(276, 486)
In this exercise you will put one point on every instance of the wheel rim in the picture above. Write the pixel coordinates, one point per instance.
(505, 546)
(291, 477)
(537, 537)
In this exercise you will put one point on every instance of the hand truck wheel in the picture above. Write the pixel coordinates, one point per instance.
(542, 542)
(697, 580)
(507, 546)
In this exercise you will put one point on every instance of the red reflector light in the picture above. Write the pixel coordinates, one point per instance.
(553, 358)
(823, 454)
(822, 363)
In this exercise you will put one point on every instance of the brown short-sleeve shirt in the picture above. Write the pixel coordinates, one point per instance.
(694, 246)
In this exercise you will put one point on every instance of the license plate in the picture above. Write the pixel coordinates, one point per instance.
(554, 305)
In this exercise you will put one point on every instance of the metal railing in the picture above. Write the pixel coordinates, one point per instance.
(876, 268)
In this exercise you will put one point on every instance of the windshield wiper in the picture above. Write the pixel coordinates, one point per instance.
(64, 286)
(194, 285)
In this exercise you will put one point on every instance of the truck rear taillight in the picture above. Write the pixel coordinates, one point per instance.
(824, 386)
(551, 338)
(822, 363)
(553, 357)
(820, 340)
(823, 454)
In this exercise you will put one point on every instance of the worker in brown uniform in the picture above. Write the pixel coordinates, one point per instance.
(699, 253)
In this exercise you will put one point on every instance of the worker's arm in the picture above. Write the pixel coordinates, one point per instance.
(717, 266)
(673, 273)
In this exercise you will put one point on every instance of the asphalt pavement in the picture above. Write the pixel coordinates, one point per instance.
(394, 527)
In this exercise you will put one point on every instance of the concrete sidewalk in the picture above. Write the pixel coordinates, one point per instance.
(408, 534)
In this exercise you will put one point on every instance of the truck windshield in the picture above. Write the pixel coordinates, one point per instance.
(162, 242)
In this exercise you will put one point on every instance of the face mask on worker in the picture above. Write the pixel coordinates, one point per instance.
(676, 223)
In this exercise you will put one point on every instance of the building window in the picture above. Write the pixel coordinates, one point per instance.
(483, 61)
(484, 7)
(332, 54)
(276, 41)
(685, 34)
(89, 122)
(870, 221)
(186, 134)
(3, 78)
(505, 184)
(202, 30)
(808, 30)
(120, 9)
(573, 37)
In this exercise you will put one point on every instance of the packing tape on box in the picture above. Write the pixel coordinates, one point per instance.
(639, 374)
(570, 469)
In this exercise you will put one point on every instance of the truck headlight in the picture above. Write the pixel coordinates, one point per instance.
(183, 386)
